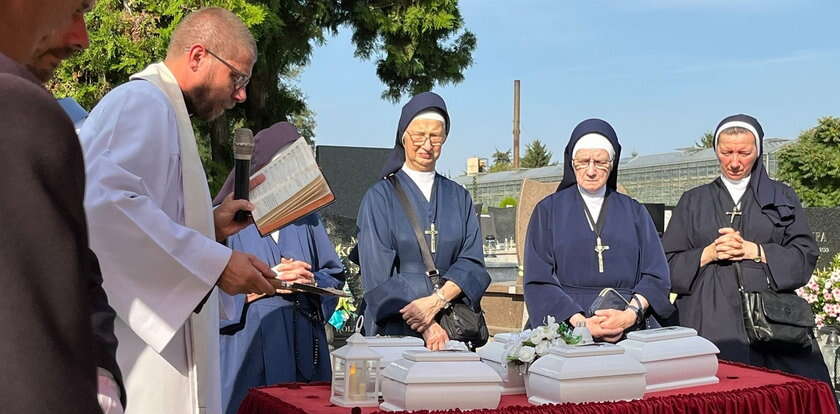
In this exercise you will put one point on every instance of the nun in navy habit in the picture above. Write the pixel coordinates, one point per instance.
(586, 237)
(400, 298)
(280, 338)
(774, 247)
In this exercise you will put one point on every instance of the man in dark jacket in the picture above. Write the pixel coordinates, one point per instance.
(48, 350)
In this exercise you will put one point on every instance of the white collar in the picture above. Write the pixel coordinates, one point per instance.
(736, 188)
(593, 201)
(424, 180)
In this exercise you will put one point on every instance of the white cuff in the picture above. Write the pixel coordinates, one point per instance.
(108, 392)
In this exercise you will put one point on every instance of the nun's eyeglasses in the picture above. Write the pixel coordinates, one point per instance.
(584, 164)
(419, 139)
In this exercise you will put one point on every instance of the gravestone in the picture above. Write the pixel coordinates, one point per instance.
(350, 172)
(825, 228)
(504, 221)
(657, 213)
(488, 227)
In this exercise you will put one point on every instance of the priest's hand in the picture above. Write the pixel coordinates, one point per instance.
(223, 214)
(245, 273)
(420, 313)
(435, 337)
(294, 271)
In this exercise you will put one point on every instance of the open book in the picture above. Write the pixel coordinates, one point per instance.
(293, 188)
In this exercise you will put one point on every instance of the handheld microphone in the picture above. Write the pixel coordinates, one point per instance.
(243, 149)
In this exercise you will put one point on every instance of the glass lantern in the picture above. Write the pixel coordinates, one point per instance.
(355, 378)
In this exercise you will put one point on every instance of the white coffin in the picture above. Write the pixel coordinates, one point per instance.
(675, 357)
(493, 354)
(392, 347)
(585, 373)
(443, 380)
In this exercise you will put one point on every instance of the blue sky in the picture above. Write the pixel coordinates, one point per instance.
(662, 72)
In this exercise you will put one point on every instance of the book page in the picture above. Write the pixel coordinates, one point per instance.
(290, 171)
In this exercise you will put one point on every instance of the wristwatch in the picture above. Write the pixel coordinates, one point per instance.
(757, 258)
(442, 298)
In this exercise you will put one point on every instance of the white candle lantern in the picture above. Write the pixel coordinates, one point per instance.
(355, 379)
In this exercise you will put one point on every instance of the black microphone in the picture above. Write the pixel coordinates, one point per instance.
(243, 149)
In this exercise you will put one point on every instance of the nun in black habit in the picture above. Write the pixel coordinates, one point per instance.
(400, 299)
(774, 248)
(586, 237)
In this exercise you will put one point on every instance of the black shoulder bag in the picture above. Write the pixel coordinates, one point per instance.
(777, 320)
(460, 321)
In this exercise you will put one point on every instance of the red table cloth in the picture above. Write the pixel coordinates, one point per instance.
(742, 389)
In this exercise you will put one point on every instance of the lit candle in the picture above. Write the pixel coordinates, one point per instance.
(355, 382)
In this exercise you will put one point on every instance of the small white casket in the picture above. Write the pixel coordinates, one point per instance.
(675, 357)
(442, 380)
(494, 355)
(585, 373)
(392, 347)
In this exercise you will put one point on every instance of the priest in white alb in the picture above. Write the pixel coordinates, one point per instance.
(151, 221)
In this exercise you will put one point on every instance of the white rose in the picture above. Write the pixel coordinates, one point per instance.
(527, 353)
(543, 348)
(552, 329)
(513, 351)
(537, 336)
(549, 320)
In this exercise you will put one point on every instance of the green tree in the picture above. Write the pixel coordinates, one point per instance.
(536, 155)
(706, 141)
(501, 161)
(416, 45)
(812, 165)
(508, 202)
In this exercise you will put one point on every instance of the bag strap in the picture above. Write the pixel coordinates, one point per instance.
(431, 270)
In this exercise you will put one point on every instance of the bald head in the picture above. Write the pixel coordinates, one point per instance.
(216, 29)
(23, 23)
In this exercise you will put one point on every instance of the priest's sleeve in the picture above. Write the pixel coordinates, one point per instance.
(468, 271)
(155, 269)
(543, 294)
(683, 256)
(386, 291)
(654, 281)
(792, 259)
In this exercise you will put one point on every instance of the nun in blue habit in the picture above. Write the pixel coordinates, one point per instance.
(280, 338)
(400, 299)
(586, 237)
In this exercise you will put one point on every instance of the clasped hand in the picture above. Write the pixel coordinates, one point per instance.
(731, 246)
(608, 324)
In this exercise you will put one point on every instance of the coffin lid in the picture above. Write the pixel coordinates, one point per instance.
(383, 341)
(419, 367)
(587, 350)
(586, 361)
(661, 334)
(665, 349)
(356, 348)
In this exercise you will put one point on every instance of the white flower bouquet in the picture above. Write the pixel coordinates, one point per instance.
(823, 293)
(531, 344)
